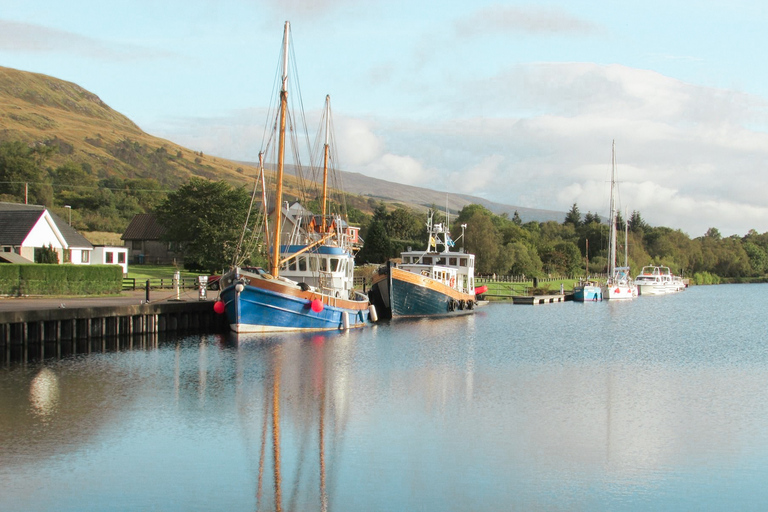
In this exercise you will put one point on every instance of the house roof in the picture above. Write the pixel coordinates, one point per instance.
(15, 225)
(12, 257)
(143, 226)
(17, 220)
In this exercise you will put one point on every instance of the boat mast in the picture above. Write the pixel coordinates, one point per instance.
(612, 238)
(626, 239)
(274, 270)
(326, 153)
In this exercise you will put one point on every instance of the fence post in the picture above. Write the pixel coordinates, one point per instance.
(147, 289)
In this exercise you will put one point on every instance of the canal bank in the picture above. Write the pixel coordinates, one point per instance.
(41, 319)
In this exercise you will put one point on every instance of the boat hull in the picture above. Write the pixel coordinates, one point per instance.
(269, 305)
(587, 293)
(399, 293)
(619, 292)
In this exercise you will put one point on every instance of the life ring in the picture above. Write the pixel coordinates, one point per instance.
(452, 282)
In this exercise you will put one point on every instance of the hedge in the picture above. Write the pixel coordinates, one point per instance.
(42, 279)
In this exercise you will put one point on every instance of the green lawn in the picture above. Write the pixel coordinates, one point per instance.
(157, 272)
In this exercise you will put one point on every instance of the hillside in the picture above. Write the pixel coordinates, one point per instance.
(42, 110)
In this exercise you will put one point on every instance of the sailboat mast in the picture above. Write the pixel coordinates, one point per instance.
(326, 152)
(612, 240)
(626, 239)
(274, 270)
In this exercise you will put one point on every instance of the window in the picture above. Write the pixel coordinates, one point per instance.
(121, 257)
(109, 257)
(313, 263)
(452, 262)
(303, 263)
(334, 264)
(67, 255)
(85, 257)
(323, 265)
(427, 260)
(463, 262)
(292, 264)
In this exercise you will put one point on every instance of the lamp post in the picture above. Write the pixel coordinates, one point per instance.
(70, 213)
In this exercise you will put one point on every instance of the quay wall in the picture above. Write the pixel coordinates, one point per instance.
(40, 325)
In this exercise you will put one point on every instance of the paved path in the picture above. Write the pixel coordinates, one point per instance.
(124, 299)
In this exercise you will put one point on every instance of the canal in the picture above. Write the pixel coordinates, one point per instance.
(656, 404)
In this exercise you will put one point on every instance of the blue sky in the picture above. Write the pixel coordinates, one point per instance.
(517, 102)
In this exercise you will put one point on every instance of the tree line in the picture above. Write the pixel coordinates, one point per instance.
(98, 202)
(577, 246)
(504, 245)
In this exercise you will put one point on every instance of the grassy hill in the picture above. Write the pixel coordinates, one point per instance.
(41, 110)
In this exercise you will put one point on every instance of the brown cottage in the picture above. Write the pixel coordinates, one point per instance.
(144, 239)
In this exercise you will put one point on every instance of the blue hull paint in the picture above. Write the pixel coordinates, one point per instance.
(258, 310)
(588, 294)
(411, 300)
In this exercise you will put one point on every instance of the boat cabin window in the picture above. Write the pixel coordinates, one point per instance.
(452, 262)
(313, 263)
(334, 264)
(426, 260)
(323, 264)
(463, 262)
(303, 263)
(406, 259)
(441, 261)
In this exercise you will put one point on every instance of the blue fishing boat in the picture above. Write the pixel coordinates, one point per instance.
(587, 291)
(309, 285)
(428, 283)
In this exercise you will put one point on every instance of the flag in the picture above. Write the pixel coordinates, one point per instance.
(448, 241)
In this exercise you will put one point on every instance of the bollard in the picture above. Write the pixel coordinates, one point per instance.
(147, 288)
(176, 279)
(203, 283)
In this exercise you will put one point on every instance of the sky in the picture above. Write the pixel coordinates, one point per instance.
(513, 101)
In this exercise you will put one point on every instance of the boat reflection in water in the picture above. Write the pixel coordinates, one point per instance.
(503, 409)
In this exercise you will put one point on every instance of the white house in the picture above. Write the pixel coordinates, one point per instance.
(26, 229)
(110, 255)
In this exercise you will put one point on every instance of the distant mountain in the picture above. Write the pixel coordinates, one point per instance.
(388, 191)
(39, 109)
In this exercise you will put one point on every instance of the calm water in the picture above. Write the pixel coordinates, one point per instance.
(657, 404)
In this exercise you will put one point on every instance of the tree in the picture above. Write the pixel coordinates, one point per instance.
(636, 222)
(483, 240)
(377, 244)
(573, 216)
(21, 174)
(46, 255)
(589, 218)
(208, 218)
(516, 219)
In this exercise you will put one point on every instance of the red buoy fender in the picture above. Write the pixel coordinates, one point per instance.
(481, 290)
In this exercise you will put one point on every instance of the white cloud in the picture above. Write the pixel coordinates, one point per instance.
(687, 155)
(529, 19)
(32, 38)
